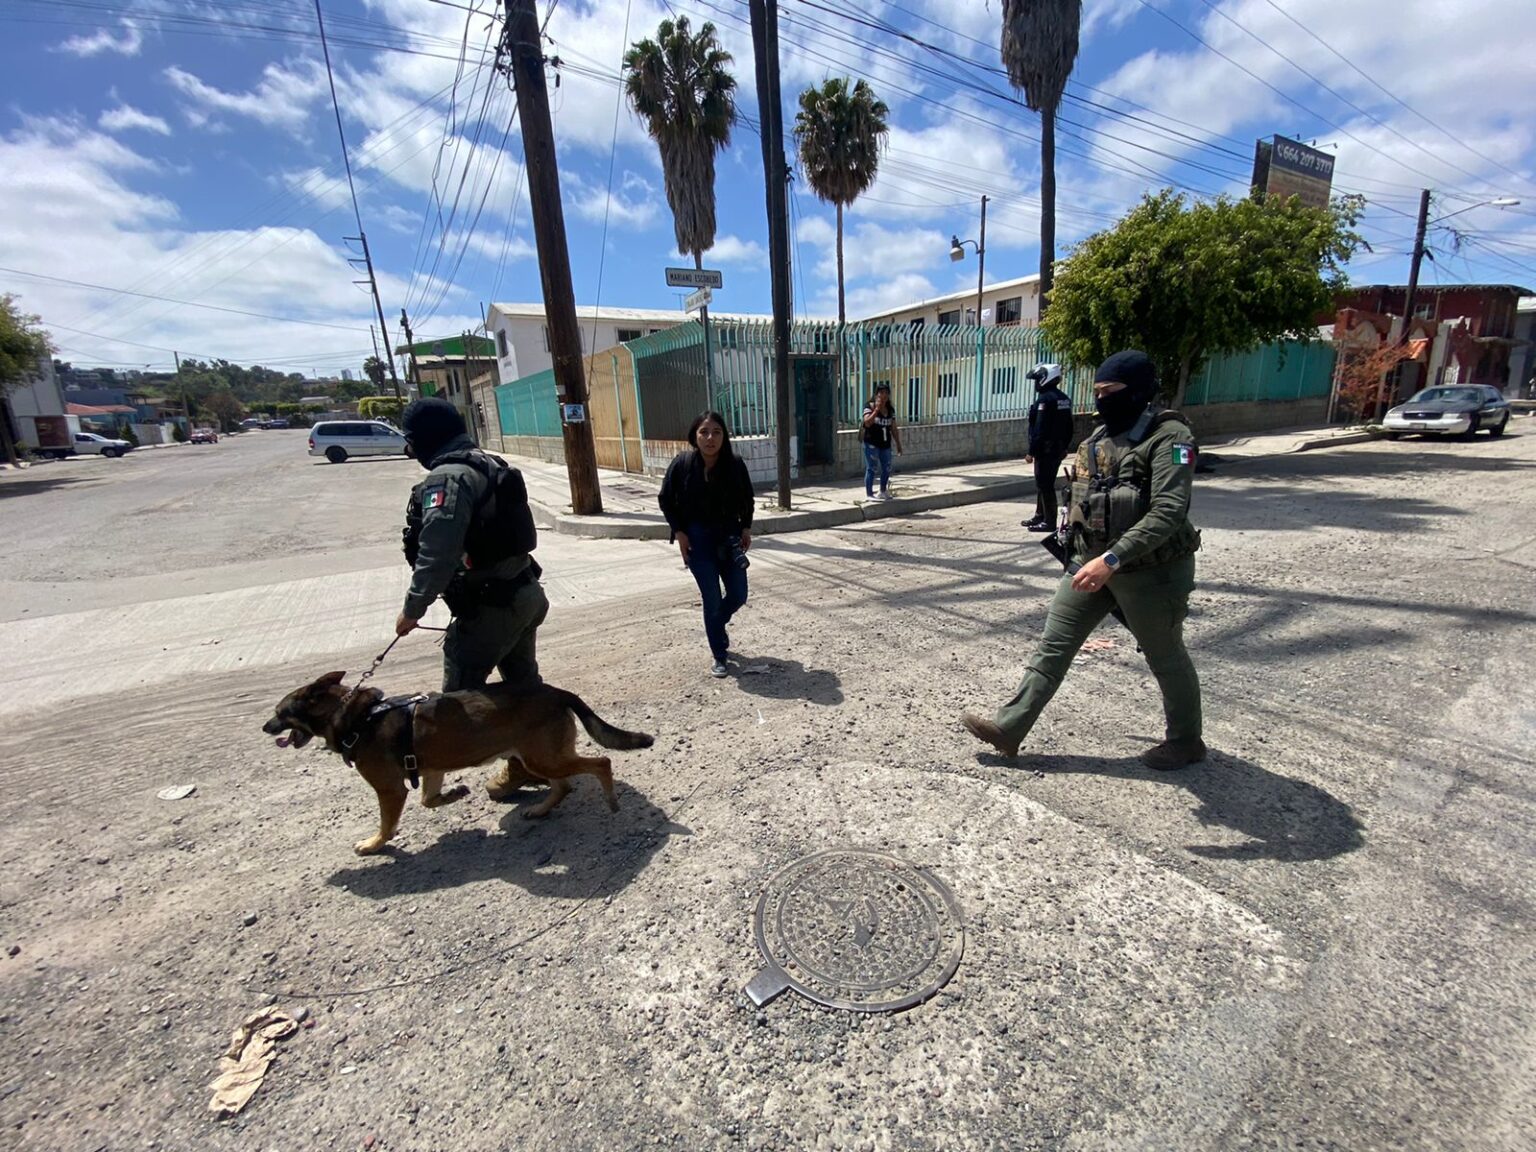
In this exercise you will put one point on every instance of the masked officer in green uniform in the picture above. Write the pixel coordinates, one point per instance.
(469, 536)
(1133, 548)
(497, 604)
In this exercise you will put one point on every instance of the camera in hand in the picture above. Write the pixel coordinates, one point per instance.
(738, 554)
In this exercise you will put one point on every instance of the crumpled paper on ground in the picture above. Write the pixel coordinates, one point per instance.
(252, 1048)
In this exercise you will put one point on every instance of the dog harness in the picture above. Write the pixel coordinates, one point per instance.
(404, 748)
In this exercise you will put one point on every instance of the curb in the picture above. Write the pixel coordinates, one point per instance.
(1336, 441)
(627, 526)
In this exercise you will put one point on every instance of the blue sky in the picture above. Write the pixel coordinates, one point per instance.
(186, 151)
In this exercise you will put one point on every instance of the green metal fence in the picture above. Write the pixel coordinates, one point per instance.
(528, 406)
(1287, 370)
(938, 374)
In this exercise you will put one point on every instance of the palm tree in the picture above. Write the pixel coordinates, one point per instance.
(840, 134)
(1039, 49)
(680, 86)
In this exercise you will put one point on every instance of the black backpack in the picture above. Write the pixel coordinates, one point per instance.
(503, 522)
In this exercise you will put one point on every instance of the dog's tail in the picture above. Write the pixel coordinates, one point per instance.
(600, 730)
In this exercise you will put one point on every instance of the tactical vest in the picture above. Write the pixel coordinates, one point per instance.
(502, 524)
(1112, 490)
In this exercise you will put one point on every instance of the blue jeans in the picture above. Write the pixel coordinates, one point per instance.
(709, 573)
(873, 456)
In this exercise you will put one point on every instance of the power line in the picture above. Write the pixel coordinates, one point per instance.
(184, 303)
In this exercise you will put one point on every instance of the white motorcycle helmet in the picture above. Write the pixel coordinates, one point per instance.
(1045, 375)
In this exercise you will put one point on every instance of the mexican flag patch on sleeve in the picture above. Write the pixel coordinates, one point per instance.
(1183, 453)
(435, 497)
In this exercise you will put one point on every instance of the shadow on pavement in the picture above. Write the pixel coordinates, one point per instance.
(578, 850)
(30, 485)
(776, 678)
(1282, 818)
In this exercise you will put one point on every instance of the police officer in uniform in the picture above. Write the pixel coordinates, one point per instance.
(497, 612)
(1132, 548)
(1050, 436)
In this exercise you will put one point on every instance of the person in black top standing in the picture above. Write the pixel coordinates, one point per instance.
(880, 432)
(706, 497)
(1050, 439)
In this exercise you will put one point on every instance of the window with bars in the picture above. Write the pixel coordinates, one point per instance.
(501, 343)
(914, 399)
(1005, 380)
(950, 317)
(949, 385)
(625, 335)
(1009, 311)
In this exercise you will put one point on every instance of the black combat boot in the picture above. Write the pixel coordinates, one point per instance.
(1172, 754)
(989, 733)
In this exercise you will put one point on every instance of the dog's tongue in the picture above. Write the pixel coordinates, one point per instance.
(283, 741)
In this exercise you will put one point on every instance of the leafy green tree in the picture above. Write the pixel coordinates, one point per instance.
(1039, 50)
(380, 408)
(680, 85)
(840, 134)
(224, 408)
(1183, 282)
(373, 370)
(22, 344)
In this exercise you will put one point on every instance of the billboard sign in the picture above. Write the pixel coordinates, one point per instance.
(1284, 167)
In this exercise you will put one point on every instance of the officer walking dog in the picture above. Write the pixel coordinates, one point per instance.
(469, 538)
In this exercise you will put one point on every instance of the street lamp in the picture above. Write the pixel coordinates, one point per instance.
(957, 254)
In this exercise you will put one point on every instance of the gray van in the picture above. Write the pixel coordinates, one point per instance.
(338, 439)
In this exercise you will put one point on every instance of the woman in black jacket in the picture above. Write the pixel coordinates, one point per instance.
(707, 500)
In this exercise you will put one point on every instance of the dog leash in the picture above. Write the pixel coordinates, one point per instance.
(379, 659)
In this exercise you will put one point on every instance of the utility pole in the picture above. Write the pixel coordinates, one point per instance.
(981, 261)
(1413, 269)
(765, 45)
(525, 60)
(1413, 288)
(185, 412)
(410, 352)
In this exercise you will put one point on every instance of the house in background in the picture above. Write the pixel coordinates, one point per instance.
(522, 336)
(37, 396)
(1467, 330)
(1522, 361)
(1006, 304)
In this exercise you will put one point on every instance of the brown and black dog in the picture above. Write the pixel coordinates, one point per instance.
(454, 730)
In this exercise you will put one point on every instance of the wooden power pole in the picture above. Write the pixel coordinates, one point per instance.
(525, 58)
(765, 45)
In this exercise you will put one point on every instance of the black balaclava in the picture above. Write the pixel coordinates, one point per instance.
(1136, 371)
(429, 424)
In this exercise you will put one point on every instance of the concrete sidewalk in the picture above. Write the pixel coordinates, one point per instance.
(630, 509)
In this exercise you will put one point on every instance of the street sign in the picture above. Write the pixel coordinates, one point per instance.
(697, 300)
(694, 278)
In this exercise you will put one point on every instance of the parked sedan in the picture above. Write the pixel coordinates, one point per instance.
(1455, 409)
(88, 443)
(204, 436)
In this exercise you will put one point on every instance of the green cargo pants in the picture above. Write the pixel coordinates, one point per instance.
(1154, 601)
(501, 637)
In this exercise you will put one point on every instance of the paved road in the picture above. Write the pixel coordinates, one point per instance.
(1320, 939)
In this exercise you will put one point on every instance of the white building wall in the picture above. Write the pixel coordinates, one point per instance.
(38, 396)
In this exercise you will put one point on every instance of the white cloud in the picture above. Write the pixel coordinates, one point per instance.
(896, 292)
(73, 214)
(733, 251)
(125, 118)
(127, 44)
(634, 206)
(282, 98)
(330, 192)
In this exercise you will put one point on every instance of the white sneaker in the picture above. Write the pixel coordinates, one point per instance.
(883, 497)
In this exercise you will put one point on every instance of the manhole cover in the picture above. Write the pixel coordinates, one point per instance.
(856, 930)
